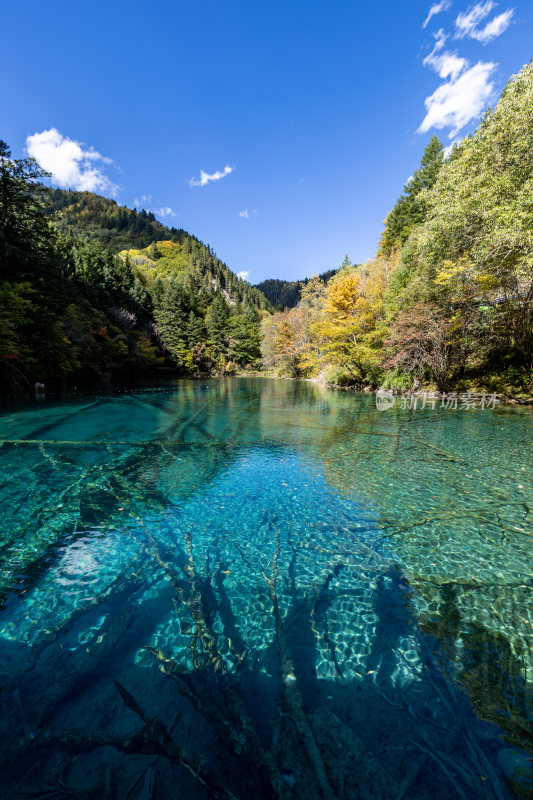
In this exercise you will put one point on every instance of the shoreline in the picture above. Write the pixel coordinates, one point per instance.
(427, 393)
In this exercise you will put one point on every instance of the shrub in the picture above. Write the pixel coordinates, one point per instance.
(396, 379)
(337, 376)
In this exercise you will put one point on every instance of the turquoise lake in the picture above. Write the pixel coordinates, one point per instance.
(252, 588)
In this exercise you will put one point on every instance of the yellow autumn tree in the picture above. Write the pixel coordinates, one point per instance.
(352, 325)
(313, 295)
(289, 344)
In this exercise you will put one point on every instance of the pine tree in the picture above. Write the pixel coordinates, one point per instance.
(196, 331)
(410, 207)
(216, 321)
(26, 241)
(171, 319)
(244, 338)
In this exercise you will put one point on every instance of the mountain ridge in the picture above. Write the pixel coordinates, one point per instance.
(287, 294)
(101, 220)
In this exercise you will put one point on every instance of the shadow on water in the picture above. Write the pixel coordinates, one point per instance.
(234, 726)
(490, 669)
(254, 685)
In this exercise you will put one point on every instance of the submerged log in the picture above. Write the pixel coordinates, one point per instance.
(291, 695)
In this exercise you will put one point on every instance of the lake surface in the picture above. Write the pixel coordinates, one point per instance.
(257, 588)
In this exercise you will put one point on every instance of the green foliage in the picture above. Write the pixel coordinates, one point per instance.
(397, 379)
(204, 333)
(16, 312)
(99, 219)
(410, 208)
(216, 321)
(287, 294)
(171, 317)
(72, 309)
(244, 341)
(280, 293)
(461, 298)
(165, 259)
(337, 376)
(449, 302)
(22, 221)
(153, 248)
(472, 258)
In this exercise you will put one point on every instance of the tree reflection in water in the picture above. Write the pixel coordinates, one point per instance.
(257, 638)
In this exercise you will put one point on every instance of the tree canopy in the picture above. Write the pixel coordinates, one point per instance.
(73, 309)
(449, 299)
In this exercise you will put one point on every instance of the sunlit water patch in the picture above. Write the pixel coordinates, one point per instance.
(311, 597)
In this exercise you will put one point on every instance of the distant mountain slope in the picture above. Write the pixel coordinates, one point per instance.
(287, 294)
(102, 220)
(130, 232)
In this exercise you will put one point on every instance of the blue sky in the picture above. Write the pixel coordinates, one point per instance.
(280, 133)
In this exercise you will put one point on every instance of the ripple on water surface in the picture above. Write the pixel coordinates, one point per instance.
(190, 528)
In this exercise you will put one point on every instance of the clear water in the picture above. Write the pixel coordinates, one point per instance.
(139, 533)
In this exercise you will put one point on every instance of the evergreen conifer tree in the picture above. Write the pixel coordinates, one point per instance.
(171, 319)
(216, 320)
(410, 208)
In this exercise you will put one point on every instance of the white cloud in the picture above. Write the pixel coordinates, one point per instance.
(447, 64)
(495, 27)
(205, 177)
(143, 202)
(436, 8)
(467, 89)
(243, 275)
(70, 163)
(244, 214)
(467, 23)
(454, 104)
(440, 40)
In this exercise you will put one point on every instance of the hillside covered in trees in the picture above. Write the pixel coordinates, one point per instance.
(74, 309)
(90, 289)
(448, 300)
(287, 294)
(98, 219)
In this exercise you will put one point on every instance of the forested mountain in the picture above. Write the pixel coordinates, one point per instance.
(448, 301)
(287, 294)
(88, 288)
(74, 309)
(98, 219)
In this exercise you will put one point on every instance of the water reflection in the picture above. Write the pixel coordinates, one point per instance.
(264, 565)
